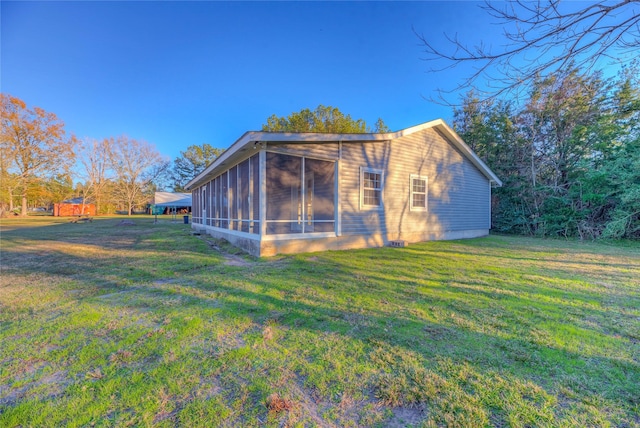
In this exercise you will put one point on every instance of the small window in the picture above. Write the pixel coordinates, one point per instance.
(370, 187)
(418, 193)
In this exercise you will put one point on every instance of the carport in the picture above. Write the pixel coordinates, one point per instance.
(175, 202)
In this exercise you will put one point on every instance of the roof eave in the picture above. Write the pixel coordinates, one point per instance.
(311, 137)
(463, 147)
(300, 137)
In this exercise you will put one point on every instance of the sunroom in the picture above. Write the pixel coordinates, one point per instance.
(268, 196)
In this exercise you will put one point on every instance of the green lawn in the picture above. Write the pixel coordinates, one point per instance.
(113, 325)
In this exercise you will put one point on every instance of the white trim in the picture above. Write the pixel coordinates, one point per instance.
(237, 191)
(426, 192)
(250, 187)
(337, 209)
(229, 194)
(252, 236)
(258, 238)
(245, 220)
(298, 155)
(286, 236)
(490, 201)
(361, 184)
(303, 194)
(210, 200)
(295, 221)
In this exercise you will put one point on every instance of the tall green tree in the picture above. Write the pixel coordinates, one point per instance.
(191, 162)
(324, 119)
(557, 122)
(35, 145)
(569, 158)
(610, 179)
(490, 128)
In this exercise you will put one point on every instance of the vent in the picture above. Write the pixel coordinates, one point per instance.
(398, 243)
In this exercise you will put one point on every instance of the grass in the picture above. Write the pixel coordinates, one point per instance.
(146, 325)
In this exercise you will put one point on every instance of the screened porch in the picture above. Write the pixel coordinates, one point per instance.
(297, 196)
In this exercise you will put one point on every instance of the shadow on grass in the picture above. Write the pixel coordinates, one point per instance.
(383, 298)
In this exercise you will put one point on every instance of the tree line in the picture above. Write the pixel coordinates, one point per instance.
(40, 164)
(569, 155)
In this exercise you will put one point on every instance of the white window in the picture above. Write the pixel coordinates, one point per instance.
(419, 193)
(371, 184)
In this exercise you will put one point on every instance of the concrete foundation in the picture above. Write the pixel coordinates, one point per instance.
(307, 244)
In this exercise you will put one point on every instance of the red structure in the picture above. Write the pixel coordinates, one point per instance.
(73, 207)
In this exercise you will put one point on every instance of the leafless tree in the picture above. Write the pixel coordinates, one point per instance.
(135, 165)
(96, 171)
(541, 37)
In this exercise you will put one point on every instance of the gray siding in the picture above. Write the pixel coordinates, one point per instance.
(375, 155)
(458, 193)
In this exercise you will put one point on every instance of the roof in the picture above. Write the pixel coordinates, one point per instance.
(169, 199)
(250, 140)
(77, 201)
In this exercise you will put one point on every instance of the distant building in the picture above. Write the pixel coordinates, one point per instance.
(73, 207)
(171, 203)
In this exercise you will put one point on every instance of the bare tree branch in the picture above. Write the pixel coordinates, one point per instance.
(541, 37)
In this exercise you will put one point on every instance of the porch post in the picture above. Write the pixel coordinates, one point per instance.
(229, 193)
(336, 199)
(263, 191)
(303, 189)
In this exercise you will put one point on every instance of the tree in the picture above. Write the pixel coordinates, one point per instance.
(558, 114)
(323, 119)
(9, 182)
(96, 172)
(191, 162)
(135, 165)
(34, 143)
(542, 38)
(569, 158)
(491, 129)
(55, 189)
(610, 179)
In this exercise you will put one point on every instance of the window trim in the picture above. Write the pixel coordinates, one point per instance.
(412, 192)
(372, 171)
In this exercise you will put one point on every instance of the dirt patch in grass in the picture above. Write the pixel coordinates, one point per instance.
(233, 256)
(405, 416)
(276, 404)
(232, 260)
(46, 387)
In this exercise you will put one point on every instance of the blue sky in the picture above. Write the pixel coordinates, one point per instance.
(177, 74)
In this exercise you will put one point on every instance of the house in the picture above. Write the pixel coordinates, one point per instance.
(273, 193)
(74, 207)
